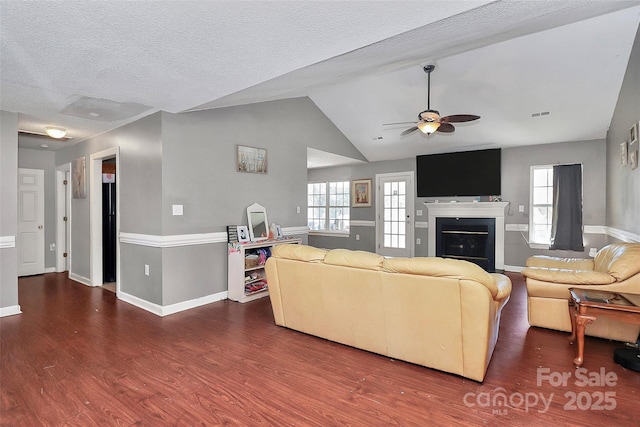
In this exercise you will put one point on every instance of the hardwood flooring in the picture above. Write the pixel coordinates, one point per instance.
(78, 356)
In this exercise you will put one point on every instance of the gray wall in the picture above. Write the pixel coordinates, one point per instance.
(516, 163)
(189, 159)
(8, 204)
(45, 160)
(623, 184)
(140, 203)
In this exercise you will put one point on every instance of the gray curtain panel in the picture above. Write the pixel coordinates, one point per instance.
(566, 226)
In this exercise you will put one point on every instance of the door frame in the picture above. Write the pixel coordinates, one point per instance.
(63, 208)
(410, 230)
(95, 216)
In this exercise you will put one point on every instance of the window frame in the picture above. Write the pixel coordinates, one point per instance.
(327, 207)
(532, 242)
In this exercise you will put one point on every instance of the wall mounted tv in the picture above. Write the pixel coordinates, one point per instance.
(467, 173)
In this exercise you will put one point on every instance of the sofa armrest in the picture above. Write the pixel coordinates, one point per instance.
(560, 263)
(569, 277)
(503, 283)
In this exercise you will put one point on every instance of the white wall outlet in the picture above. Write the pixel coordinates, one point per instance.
(146, 269)
(357, 237)
(418, 241)
(593, 252)
(177, 210)
(419, 212)
(52, 247)
(521, 208)
(297, 209)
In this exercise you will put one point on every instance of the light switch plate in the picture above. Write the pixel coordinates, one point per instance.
(520, 208)
(178, 210)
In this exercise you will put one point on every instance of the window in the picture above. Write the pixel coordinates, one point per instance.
(328, 205)
(541, 205)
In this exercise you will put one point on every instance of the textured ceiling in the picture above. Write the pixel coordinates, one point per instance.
(359, 61)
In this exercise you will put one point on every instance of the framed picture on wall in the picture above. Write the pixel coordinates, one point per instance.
(361, 193)
(78, 178)
(633, 155)
(623, 154)
(633, 134)
(250, 159)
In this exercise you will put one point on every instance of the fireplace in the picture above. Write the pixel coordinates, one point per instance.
(484, 210)
(469, 239)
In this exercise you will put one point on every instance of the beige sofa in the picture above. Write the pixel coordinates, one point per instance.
(615, 267)
(439, 313)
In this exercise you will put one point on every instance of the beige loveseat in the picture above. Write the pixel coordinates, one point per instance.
(439, 313)
(615, 267)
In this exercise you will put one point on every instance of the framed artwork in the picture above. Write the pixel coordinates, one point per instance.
(633, 134)
(623, 154)
(78, 178)
(252, 160)
(361, 193)
(243, 234)
(633, 155)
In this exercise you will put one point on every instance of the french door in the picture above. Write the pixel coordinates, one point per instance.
(394, 214)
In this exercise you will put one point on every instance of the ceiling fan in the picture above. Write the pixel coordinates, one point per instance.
(429, 120)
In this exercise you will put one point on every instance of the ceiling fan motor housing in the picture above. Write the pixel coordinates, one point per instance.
(429, 116)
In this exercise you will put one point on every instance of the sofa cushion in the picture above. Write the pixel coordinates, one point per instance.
(620, 260)
(357, 259)
(569, 277)
(442, 267)
(299, 253)
(560, 263)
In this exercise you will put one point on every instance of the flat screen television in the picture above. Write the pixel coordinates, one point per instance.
(467, 173)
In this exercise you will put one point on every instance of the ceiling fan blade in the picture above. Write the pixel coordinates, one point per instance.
(459, 118)
(399, 123)
(445, 128)
(408, 131)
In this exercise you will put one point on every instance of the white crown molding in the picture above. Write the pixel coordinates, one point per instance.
(362, 223)
(165, 310)
(173, 240)
(625, 236)
(178, 240)
(7, 242)
(295, 231)
(11, 310)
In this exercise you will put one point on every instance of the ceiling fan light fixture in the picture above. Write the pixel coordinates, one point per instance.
(428, 127)
(56, 132)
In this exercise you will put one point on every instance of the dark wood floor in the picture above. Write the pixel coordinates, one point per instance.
(78, 356)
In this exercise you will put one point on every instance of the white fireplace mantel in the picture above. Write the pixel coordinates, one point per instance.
(469, 210)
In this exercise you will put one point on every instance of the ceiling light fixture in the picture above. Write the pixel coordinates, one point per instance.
(428, 127)
(56, 132)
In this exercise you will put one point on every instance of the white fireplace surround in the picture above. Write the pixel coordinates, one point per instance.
(468, 210)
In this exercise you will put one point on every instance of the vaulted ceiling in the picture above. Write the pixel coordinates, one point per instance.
(93, 66)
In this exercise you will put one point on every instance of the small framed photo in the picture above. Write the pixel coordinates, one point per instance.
(361, 193)
(252, 160)
(243, 234)
(623, 154)
(633, 134)
(633, 155)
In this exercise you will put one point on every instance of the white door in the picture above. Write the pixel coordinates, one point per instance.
(30, 222)
(394, 214)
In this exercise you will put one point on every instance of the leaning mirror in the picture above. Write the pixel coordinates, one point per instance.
(258, 223)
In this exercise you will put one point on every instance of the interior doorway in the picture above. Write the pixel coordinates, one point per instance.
(109, 219)
(97, 239)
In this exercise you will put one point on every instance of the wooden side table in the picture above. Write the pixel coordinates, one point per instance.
(586, 304)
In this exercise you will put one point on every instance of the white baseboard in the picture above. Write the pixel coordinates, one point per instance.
(50, 270)
(513, 268)
(165, 310)
(10, 310)
(80, 279)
